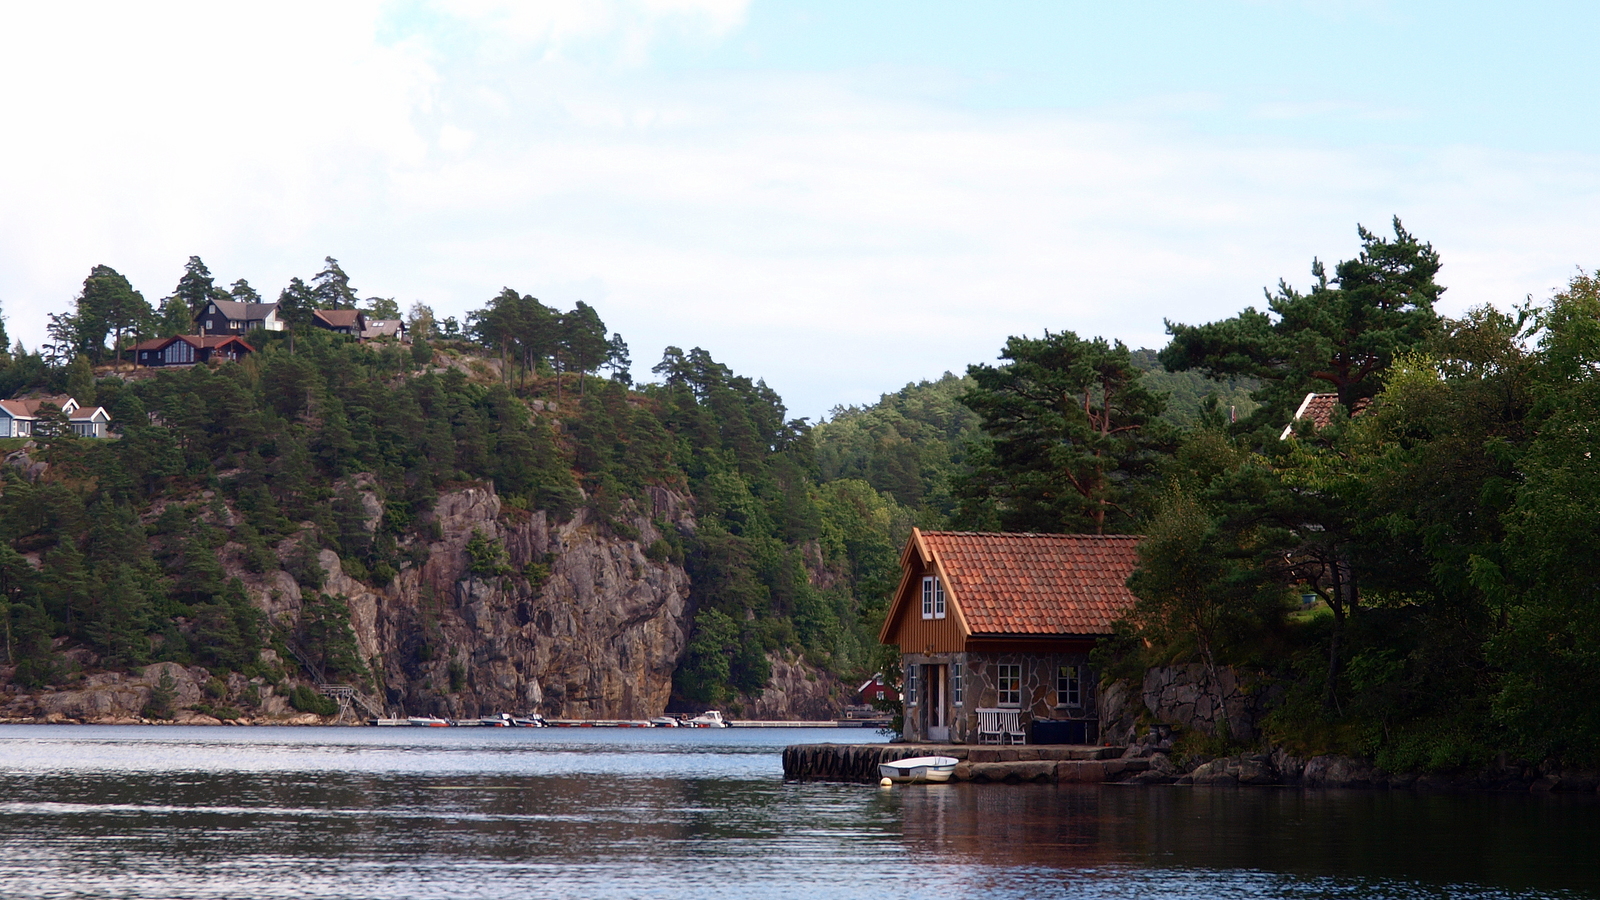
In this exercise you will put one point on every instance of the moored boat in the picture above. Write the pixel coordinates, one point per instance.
(919, 769)
(709, 719)
(666, 722)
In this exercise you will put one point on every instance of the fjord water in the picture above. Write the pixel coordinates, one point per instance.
(88, 811)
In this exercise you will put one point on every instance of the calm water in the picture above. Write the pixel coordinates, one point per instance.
(497, 813)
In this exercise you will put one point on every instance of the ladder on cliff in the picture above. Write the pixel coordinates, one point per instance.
(346, 694)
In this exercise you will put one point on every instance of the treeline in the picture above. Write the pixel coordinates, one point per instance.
(1406, 577)
(260, 456)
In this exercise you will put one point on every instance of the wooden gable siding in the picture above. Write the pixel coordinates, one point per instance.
(910, 630)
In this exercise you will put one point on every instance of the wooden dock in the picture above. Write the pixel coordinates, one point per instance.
(1049, 763)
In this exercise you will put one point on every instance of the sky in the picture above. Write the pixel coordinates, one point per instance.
(836, 197)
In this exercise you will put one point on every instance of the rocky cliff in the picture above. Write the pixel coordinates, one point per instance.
(581, 622)
(597, 636)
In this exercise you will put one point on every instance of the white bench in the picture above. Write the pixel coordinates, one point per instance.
(1003, 725)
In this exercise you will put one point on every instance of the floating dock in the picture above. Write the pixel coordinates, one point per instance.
(1048, 763)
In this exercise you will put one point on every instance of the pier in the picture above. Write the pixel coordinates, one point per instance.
(1052, 764)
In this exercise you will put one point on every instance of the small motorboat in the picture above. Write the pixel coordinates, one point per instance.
(533, 721)
(919, 769)
(708, 719)
(665, 722)
(427, 722)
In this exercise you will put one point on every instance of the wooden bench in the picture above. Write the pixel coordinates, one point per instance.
(1003, 725)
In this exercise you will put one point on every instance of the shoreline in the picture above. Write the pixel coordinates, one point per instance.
(1068, 764)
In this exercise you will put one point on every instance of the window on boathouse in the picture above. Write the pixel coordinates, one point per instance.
(932, 598)
(1009, 681)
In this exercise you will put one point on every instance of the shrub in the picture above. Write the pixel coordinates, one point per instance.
(307, 700)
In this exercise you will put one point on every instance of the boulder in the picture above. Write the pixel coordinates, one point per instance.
(1333, 771)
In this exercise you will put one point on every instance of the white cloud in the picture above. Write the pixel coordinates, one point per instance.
(832, 237)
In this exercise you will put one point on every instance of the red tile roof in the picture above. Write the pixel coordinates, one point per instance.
(1036, 583)
(1318, 408)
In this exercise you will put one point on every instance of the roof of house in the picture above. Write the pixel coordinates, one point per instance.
(339, 318)
(89, 413)
(234, 309)
(29, 408)
(377, 328)
(1318, 409)
(1034, 583)
(210, 341)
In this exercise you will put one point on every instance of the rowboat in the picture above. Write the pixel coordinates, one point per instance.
(919, 769)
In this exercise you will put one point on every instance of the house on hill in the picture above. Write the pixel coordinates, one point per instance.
(1318, 410)
(384, 328)
(344, 321)
(25, 418)
(188, 349)
(995, 630)
(224, 317)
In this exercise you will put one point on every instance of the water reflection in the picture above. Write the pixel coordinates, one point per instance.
(360, 813)
(1514, 841)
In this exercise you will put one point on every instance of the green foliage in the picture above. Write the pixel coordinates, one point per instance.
(907, 445)
(1341, 336)
(162, 694)
(308, 700)
(1072, 437)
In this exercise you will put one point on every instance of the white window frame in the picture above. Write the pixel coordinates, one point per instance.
(956, 684)
(933, 605)
(1008, 674)
(911, 685)
(1069, 686)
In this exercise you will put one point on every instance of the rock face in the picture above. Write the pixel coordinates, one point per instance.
(572, 619)
(797, 691)
(1184, 696)
(598, 638)
(120, 698)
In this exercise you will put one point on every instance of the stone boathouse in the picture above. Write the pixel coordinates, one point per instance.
(995, 630)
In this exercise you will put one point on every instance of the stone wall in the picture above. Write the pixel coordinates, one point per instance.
(1185, 696)
(980, 688)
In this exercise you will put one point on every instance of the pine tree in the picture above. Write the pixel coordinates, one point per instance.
(176, 318)
(197, 288)
(332, 287)
(241, 292)
(80, 381)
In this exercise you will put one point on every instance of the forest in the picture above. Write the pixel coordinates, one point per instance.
(1408, 579)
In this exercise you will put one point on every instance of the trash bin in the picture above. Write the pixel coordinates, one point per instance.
(1063, 731)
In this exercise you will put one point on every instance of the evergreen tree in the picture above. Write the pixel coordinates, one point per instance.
(80, 381)
(1339, 337)
(241, 292)
(196, 288)
(583, 340)
(1073, 437)
(176, 318)
(108, 305)
(331, 287)
(382, 308)
(5, 342)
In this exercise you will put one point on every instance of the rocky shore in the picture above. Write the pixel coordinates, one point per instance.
(1152, 762)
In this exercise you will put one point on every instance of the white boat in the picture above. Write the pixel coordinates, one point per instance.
(428, 722)
(919, 769)
(533, 721)
(708, 719)
(665, 722)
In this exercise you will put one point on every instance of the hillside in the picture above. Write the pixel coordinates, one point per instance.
(453, 534)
